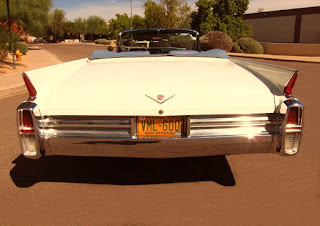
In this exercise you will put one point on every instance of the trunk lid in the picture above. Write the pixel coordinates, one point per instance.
(131, 86)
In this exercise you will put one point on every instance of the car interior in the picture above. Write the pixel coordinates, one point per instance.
(157, 42)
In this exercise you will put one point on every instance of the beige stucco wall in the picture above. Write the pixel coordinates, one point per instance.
(273, 29)
(291, 49)
(310, 29)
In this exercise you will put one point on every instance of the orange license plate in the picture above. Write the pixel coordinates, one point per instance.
(152, 127)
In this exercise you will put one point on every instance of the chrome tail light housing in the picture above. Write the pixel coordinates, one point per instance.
(27, 130)
(292, 127)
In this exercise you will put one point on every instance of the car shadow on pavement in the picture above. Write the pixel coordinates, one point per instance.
(121, 171)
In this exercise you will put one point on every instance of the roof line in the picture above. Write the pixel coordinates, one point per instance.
(285, 12)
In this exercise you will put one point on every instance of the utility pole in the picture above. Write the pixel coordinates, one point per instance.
(12, 47)
(131, 13)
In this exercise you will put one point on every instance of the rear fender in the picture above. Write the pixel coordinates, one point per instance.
(276, 78)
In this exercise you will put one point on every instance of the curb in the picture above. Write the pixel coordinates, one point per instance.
(10, 91)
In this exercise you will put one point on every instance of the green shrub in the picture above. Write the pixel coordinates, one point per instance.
(236, 48)
(249, 45)
(4, 38)
(102, 41)
(22, 47)
(216, 40)
(180, 42)
(3, 50)
(110, 48)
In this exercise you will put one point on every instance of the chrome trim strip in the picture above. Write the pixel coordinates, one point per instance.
(87, 120)
(125, 127)
(86, 126)
(233, 125)
(231, 118)
(82, 125)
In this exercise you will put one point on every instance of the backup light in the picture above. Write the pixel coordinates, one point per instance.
(292, 142)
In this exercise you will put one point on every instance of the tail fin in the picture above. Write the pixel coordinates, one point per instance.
(280, 80)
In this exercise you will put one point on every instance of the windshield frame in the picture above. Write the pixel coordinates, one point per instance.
(158, 30)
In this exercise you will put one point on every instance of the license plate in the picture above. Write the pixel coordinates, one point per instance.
(150, 127)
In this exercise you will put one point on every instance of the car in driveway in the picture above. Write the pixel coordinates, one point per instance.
(159, 96)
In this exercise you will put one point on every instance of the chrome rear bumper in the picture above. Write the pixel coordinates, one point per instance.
(117, 137)
(184, 147)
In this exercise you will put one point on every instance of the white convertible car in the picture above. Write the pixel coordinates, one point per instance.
(158, 96)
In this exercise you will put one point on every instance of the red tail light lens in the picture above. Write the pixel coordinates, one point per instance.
(32, 91)
(293, 116)
(26, 123)
(289, 87)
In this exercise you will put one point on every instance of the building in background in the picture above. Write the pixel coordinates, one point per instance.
(286, 26)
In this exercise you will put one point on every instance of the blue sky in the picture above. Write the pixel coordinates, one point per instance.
(108, 8)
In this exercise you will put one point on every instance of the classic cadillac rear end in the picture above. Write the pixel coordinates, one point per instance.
(169, 106)
(160, 97)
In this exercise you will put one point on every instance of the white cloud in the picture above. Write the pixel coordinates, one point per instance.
(107, 9)
(271, 5)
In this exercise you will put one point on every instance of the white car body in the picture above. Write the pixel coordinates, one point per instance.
(121, 89)
(92, 107)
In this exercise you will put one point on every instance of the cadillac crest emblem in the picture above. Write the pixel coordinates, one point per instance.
(160, 97)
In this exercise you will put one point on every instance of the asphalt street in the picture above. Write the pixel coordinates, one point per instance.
(69, 52)
(259, 189)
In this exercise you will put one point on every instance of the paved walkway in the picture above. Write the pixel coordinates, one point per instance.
(12, 84)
